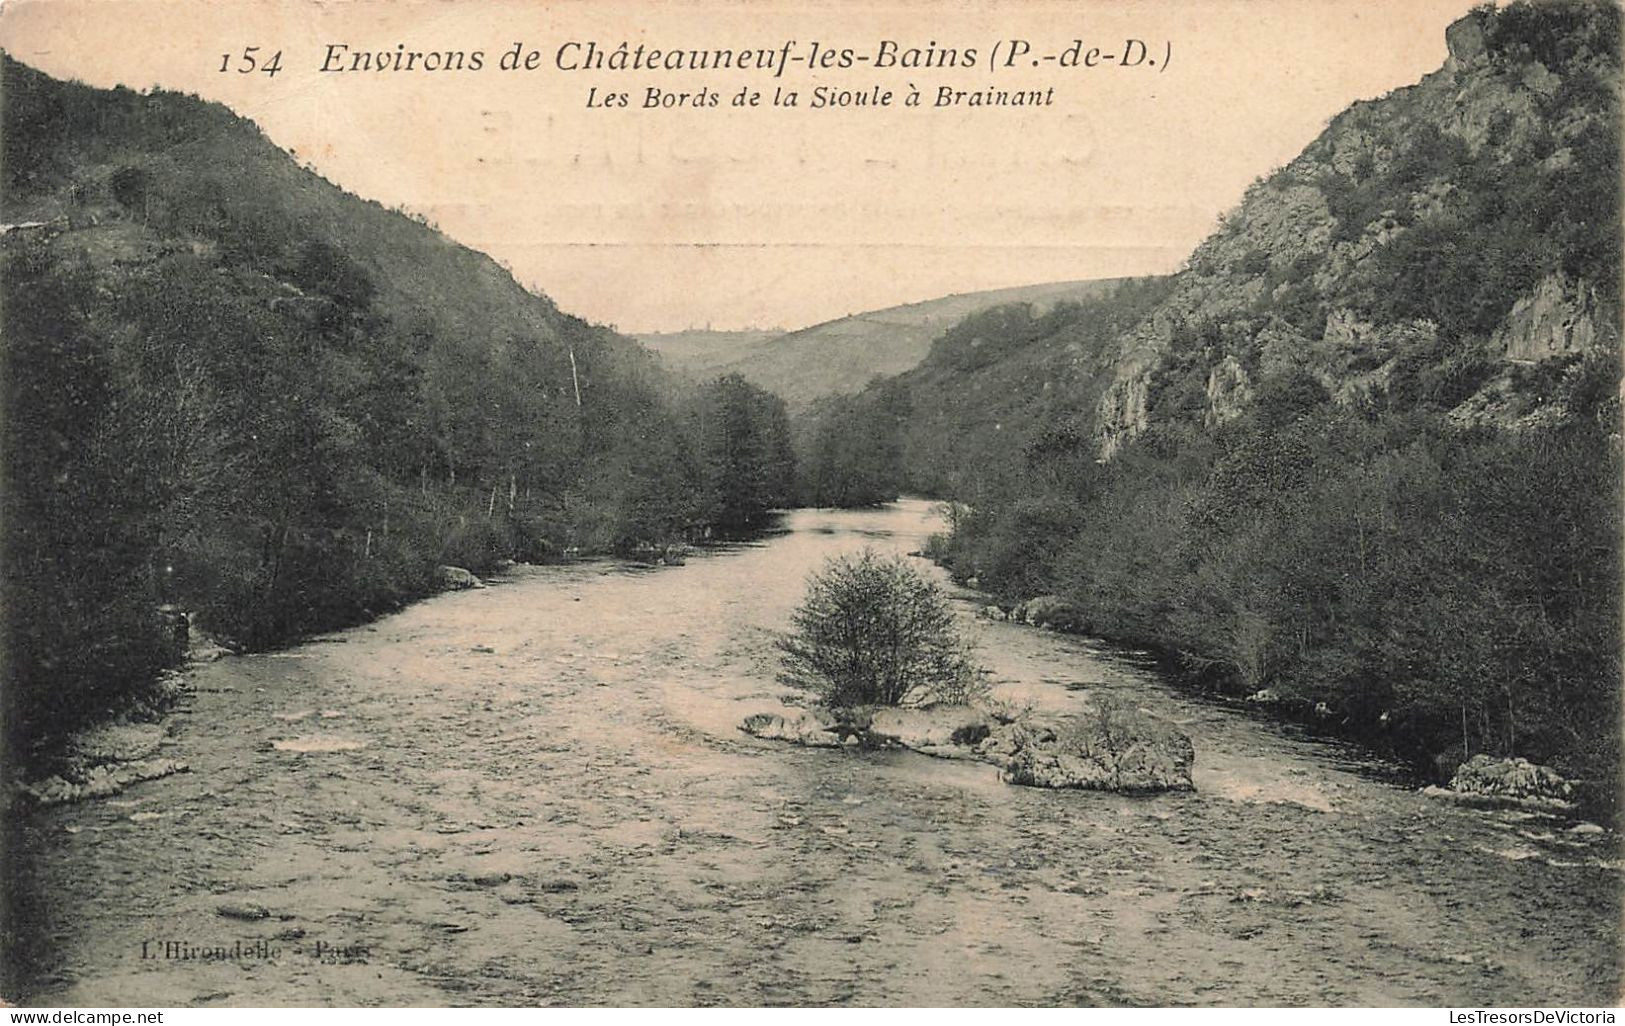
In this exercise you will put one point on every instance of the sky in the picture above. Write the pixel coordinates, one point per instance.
(772, 216)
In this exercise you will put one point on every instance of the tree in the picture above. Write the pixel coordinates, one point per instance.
(873, 630)
(744, 447)
(853, 448)
(78, 508)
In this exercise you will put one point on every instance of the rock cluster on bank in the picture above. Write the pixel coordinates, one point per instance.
(1109, 747)
(1050, 611)
(1509, 778)
(1485, 778)
(455, 578)
(103, 761)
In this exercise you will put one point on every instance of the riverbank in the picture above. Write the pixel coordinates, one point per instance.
(57, 762)
(1406, 757)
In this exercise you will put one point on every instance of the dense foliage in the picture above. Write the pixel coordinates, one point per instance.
(1443, 590)
(850, 452)
(947, 427)
(743, 439)
(1344, 488)
(873, 630)
(231, 388)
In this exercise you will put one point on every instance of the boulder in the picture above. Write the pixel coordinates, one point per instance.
(1111, 748)
(930, 727)
(205, 648)
(1049, 611)
(455, 578)
(246, 910)
(814, 727)
(1509, 778)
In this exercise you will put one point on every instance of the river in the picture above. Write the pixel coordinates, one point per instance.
(536, 793)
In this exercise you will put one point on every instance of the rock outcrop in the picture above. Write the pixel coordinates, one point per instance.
(455, 578)
(1509, 778)
(103, 761)
(1122, 413)
(1228, 392)
(1109, 748)
(1049, 611)
(926, 728)
(815, 728)
(1465, 39)
(931, 727)
(1322, 234)
(1557, 318)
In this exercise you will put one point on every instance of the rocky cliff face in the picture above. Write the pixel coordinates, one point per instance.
(1364, 449)
(1445, 223)
(1558, 318)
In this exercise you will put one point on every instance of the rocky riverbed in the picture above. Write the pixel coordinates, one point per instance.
(538, 793)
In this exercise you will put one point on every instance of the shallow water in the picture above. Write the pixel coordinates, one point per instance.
(536, 793)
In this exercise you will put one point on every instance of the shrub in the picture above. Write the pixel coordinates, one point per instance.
(873, 630)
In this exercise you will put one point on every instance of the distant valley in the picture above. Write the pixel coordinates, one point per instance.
(841, 356)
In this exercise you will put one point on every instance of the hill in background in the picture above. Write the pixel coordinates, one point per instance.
(699, 351)
(839, 357)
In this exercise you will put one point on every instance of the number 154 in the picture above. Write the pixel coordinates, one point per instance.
(248, 62)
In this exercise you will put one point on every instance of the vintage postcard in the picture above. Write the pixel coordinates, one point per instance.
(751, 503)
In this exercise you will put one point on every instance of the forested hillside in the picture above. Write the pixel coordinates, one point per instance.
(1362, 451)
(234, 389)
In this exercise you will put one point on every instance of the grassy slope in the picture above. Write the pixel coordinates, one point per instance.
(840, 356)
(698, 352)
